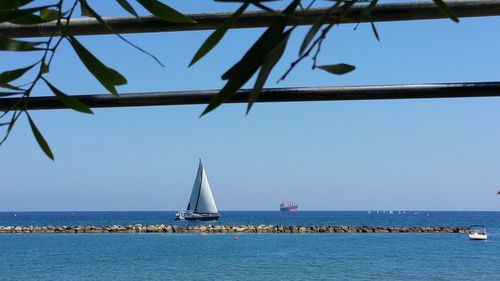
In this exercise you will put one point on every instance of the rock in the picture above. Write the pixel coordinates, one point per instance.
(260, 228)
(447, 229)
(229, 228)
(151, 228)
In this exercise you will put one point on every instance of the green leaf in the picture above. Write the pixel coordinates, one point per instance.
(165, 12)
(338, 69)
(44, 68)
(92, 13)
(255, 56)
(217, 35)
(40, 139)
(6, 94)
(85, 9)
(366, 13)
(370, 7)
(266, 42)
(89, 12)
(28, 20)
(228, 90)
(108, 77)
(10, 15)
(374, 30)
(316, 26)
(69, 101)
(13, 4)
(49, 14)
(14, 116)
(446, 10)
(127, 7)
(269, 62)
(46, 15)
(8, 44)
(253, 59)
(10, 87)
(11, 75)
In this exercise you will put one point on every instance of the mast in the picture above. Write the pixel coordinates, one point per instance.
(200, 167)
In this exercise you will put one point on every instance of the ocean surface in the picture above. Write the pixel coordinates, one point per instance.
(153, 256)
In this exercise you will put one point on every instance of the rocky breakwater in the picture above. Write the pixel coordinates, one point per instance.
(161, 228)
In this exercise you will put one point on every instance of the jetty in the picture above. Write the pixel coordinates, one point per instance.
(161, 228)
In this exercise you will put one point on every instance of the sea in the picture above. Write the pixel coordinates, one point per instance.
(322, 256)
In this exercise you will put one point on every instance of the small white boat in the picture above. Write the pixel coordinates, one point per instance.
(477, 232)
(201, 204)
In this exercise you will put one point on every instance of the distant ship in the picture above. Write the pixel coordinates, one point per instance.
(288, 207)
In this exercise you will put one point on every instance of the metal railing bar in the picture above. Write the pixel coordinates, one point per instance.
(207, 21)
(379, 92)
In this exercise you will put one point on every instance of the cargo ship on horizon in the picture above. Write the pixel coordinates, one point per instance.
(288, 207)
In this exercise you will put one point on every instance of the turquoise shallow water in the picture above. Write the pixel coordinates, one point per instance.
(251, 257)
(357, 256)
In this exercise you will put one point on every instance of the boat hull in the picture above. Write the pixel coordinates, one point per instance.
(197, 217)
(288, 209)
(203, 218)
(477, 236)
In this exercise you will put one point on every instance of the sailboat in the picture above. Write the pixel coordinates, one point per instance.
(201, 205)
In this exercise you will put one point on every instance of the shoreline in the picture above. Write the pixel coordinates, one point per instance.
(161, 228)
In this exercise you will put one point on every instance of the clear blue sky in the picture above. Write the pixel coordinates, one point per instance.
(441, 154)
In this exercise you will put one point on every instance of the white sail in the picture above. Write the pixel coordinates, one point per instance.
(202, 200)
(196, 189)
(206, 202)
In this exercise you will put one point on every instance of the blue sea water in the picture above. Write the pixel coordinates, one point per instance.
(356, 256)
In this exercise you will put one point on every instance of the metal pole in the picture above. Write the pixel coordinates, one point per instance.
(207, 21)
(382, 92)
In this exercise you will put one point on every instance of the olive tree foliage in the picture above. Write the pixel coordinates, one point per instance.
(259, 60)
